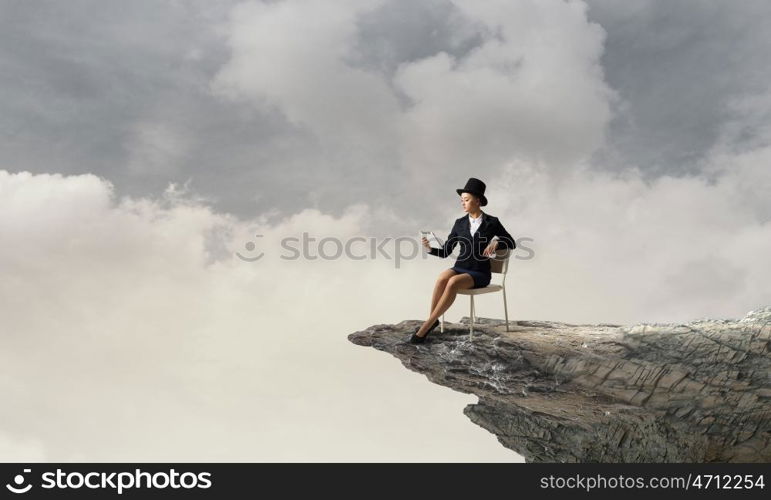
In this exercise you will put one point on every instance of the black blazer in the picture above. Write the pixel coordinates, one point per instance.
(472, 247)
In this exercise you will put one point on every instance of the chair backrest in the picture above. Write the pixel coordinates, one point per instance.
(500, 263)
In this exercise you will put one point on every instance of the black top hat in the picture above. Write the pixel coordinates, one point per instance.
(475, 187)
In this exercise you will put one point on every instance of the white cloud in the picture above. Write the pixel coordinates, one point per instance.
(290, 55)
(535, 88)
(124, 341)
(21, 450)
(615, 248)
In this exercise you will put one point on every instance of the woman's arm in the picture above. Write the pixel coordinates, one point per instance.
(449, 244)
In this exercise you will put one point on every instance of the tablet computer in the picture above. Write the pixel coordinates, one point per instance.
(433, 240)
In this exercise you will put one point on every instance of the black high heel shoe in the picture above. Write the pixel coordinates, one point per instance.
(415, 339)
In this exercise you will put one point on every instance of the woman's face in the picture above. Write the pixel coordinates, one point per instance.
(469, 202)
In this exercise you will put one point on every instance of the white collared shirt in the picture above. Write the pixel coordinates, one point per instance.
(475, 223)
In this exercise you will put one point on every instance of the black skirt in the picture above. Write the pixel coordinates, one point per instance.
(481, 279)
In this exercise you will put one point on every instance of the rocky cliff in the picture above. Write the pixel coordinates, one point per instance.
(557, 392)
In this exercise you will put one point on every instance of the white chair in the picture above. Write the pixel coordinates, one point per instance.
(498, 264)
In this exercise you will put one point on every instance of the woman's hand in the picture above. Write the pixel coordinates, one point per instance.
(490, 250)
(426, 243)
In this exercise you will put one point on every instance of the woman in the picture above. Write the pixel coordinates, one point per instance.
(479, 235)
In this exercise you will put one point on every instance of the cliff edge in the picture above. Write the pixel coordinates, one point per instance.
(558, 392)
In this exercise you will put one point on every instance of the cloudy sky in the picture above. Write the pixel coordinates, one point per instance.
(145, 145)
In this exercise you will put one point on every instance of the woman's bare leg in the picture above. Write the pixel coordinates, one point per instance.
(457, 282)
(441, 283)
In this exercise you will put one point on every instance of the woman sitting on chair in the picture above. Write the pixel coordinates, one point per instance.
(479, 235)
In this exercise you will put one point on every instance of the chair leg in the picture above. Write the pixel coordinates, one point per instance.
(471, 331)
(505, 308)
(441, 324)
